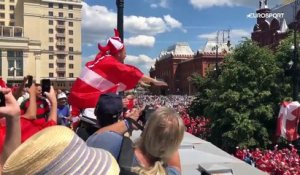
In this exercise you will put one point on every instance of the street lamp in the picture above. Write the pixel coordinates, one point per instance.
(295, 56)
(120, 6)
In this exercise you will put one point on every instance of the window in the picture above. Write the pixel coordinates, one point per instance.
(11, 16)
(51, 75)
(51, 39)
(61, 14)
(70, 32)
(50, 48)
(71, 57)
(61, 6)
(51, 65)
(71, 49)
(11, 24)
(70, 15)
(60, 22)
(71, 75)
(11, 7)
(70, 7)
(50, 57)
(50, 31)
(15, 60)
(2, 7)
(71, 40)
(50, 22)
(12, 1)
(50, 5)
(2, 15)
(2, 23)
(70, 24)
(50, 13)
(71, 66)
(61, 75)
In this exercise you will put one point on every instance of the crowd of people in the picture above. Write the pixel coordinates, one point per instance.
(55, 132)
(284, 161)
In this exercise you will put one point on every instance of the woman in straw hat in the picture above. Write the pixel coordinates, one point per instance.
(156, 151)
(58, 150)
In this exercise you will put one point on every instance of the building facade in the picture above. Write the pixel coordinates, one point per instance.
(270, 30)
(41, 38)
(177, 65)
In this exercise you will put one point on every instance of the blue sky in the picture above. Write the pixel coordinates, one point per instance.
(151, 26)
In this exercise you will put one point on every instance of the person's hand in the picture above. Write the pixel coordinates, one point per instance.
(32, 89)
(25, 79)
(51, 96)
(11, 110)
(134, 114)
(159, 83)
(144, 84)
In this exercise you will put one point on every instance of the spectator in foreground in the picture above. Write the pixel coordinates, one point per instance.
(58, 150)
(157, 146)
(12, 138)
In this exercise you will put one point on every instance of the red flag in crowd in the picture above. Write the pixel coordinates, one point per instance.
(288, 119)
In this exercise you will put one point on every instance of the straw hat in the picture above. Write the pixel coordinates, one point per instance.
(58, 150)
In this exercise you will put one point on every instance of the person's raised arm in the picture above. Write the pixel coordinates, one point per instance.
(121, 127)
(148, 80)
(31, 111)
(11, 111)
(19, 90)
(52, 98)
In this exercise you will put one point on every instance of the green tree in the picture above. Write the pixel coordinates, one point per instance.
(243, 100)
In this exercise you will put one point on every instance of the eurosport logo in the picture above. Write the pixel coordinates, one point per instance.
(265, 15)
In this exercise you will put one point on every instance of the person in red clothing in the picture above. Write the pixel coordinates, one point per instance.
(42, 110)
(10, 136)
(30, 123)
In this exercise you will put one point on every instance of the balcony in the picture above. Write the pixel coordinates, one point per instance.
(61, 52)
(61, 69)
(59, 60)
(11, 31)
(60, 43)
(60, 35)
(60, 26)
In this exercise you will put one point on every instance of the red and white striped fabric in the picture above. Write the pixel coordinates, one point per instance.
(288, 119)
(103, 75)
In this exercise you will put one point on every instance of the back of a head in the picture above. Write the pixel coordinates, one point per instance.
(108, 109)
(162, 134)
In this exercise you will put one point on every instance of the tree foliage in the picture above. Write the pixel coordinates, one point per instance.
(243, 100)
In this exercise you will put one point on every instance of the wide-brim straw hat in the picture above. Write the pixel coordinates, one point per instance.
(58, 150)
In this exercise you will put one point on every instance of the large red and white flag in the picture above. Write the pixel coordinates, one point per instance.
(288, 119)
(103, 75)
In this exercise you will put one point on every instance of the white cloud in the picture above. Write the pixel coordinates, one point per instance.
(143, 62)
(143, 25)
(98, 23)
(201, 4)
(173, 23)
(161, 3)
(140, 40)
(235, 35)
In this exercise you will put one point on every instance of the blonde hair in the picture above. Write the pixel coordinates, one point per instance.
(160, 139)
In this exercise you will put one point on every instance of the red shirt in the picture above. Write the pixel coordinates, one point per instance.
(42, 108)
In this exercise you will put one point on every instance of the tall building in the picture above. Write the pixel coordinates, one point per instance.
(178, 63)
(41, 38)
